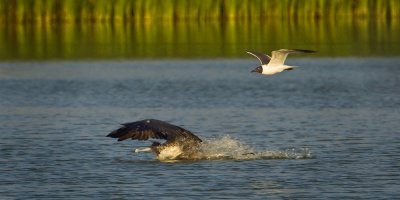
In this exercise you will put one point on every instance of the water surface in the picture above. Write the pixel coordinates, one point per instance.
(332, 122)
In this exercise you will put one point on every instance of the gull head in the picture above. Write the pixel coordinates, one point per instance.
(258, 69)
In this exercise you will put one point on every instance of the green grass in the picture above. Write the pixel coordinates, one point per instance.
(44, 11)
(109, 29)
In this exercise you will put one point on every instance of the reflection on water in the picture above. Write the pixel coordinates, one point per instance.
(356, 37)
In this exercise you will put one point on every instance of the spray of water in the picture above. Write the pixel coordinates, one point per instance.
(229, 148)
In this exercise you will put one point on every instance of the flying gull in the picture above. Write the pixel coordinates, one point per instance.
(180, 143)
(270, 66)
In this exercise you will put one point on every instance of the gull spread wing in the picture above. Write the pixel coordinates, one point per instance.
(263, 58)
(279, 56)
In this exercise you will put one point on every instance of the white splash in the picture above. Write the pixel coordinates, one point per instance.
(143, 149)
(230, 148)
(170, 153)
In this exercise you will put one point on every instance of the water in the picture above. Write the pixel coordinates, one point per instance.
(329, 129)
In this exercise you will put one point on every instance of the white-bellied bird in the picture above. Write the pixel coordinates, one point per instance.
(276, 63)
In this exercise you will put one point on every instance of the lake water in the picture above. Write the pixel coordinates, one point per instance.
(327, 130)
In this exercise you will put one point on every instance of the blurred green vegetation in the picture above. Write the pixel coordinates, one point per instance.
(147, 29)
(44, 11)
(196, 40)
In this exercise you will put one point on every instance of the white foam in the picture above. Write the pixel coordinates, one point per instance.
(229, 148)
(143, 149)
(170, 153)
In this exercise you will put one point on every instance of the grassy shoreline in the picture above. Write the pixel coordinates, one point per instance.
(121, 29)
(75, 11)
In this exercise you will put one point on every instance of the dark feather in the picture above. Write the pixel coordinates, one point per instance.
(152, 128)
(304, 50)
(263, 58)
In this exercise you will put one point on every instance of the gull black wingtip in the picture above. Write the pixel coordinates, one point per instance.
(305, 50)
